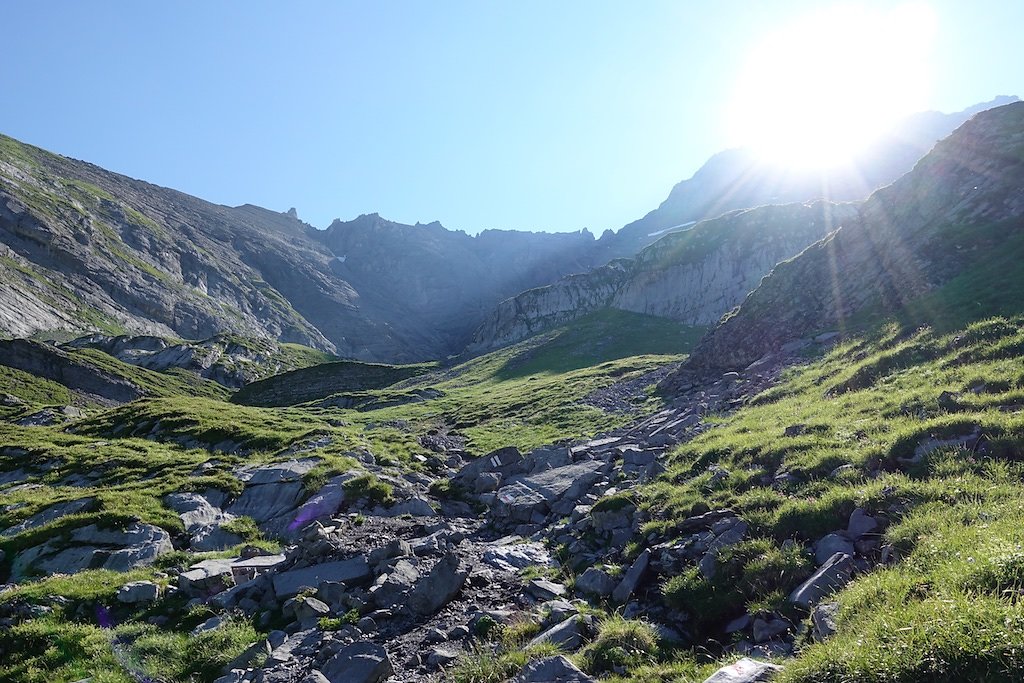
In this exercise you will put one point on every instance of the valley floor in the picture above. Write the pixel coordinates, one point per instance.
(849, 512)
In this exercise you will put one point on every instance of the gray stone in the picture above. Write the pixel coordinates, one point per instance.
(206, 578)
(567, 635)
(359, 662)
(512, 556)
(830, 545)
(417, 507)
(542, 589)
(442, 656)
(315, 676)
(552, 670)
(351, 571)
(861, 523)
(632, 578)
(50, 514)
(830, 577)
(309, 610)
(392, 588)
(211, 624)
(523, 496)
(202, 522)
(91, 547)
(766, 629)
(138, 591)
(595, 582)
(321, 505)
(744, 671)
(439, 586)
(486, 482)
(823, 620)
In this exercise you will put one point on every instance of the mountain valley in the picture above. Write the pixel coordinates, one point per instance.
(767, 432)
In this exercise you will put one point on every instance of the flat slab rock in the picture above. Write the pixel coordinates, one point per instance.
(552, 670)
(289, 583)
(523, 495)
(91, 547)
(744, 671)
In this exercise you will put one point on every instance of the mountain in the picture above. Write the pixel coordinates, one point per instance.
(438, 284)
(85, 250)
(694, 276)
(739, 179)
(942, 246)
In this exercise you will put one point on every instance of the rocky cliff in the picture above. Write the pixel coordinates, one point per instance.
(693, 276)
(740, 179)
(941, 228)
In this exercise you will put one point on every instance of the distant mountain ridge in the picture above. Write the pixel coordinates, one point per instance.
(942, 246)
(84, 250)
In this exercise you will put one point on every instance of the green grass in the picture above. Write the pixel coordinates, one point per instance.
(32, 389)
(949, 610)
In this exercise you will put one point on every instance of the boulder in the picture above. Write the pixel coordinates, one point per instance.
(744, 671)
(567, 635)
(288, 583)
(830, 577)
(823, 620)
(138, 591)
(91, 547)
(417, 507)
(861, 524)
(392, 588)
(511, 556)
(273, 493)
(360, 662)
(629, 583)
(202, 521)
(525, 495)
(50, 514)
(830, 545)
(205, 579)
(439, 586)
(595, 582)
(552, 670)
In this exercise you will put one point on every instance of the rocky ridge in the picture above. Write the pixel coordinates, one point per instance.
(694, 276)
(960, 209)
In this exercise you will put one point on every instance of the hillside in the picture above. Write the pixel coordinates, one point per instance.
(694, 276)
(939, 246)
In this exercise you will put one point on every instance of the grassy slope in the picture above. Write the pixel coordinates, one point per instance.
(529, 394)
(948, 611)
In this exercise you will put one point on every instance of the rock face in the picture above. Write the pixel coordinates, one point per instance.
(694, 276)
(904, 244)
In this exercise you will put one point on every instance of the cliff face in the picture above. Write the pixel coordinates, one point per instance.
(955, 220)
(693, 277)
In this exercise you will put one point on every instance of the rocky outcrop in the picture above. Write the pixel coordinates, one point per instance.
(77, 374)
(907, 241)
(694, 276)
(228, 360)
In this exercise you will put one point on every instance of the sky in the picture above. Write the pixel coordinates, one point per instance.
(527, 115)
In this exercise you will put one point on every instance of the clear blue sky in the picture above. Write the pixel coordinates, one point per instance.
(485, 114)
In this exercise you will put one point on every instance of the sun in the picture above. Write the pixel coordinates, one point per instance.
(816, 91)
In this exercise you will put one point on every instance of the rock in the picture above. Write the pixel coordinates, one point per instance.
(512, 556)
(272, 493)
(52, 513)
(861, 524)
(394, 548)
(442, 656)
(392, 588)
(211, 624)
(595, 582)
(439, 586)
(138, 591)
(551, 670)
(632, 578)
(91, 547)
(360, 662)
(523, 496)
(830, 577)
(320, 505)
(542, 589)
(830, 545)
(486, 482)
(567, 635)
(744, 671)
(734, 532)
(766, 629)
(202, 522)
(315, 676)
(205, 579)
(795, 430)
(309, 610)
(417, 507)
(823, 620)
(351, 571)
